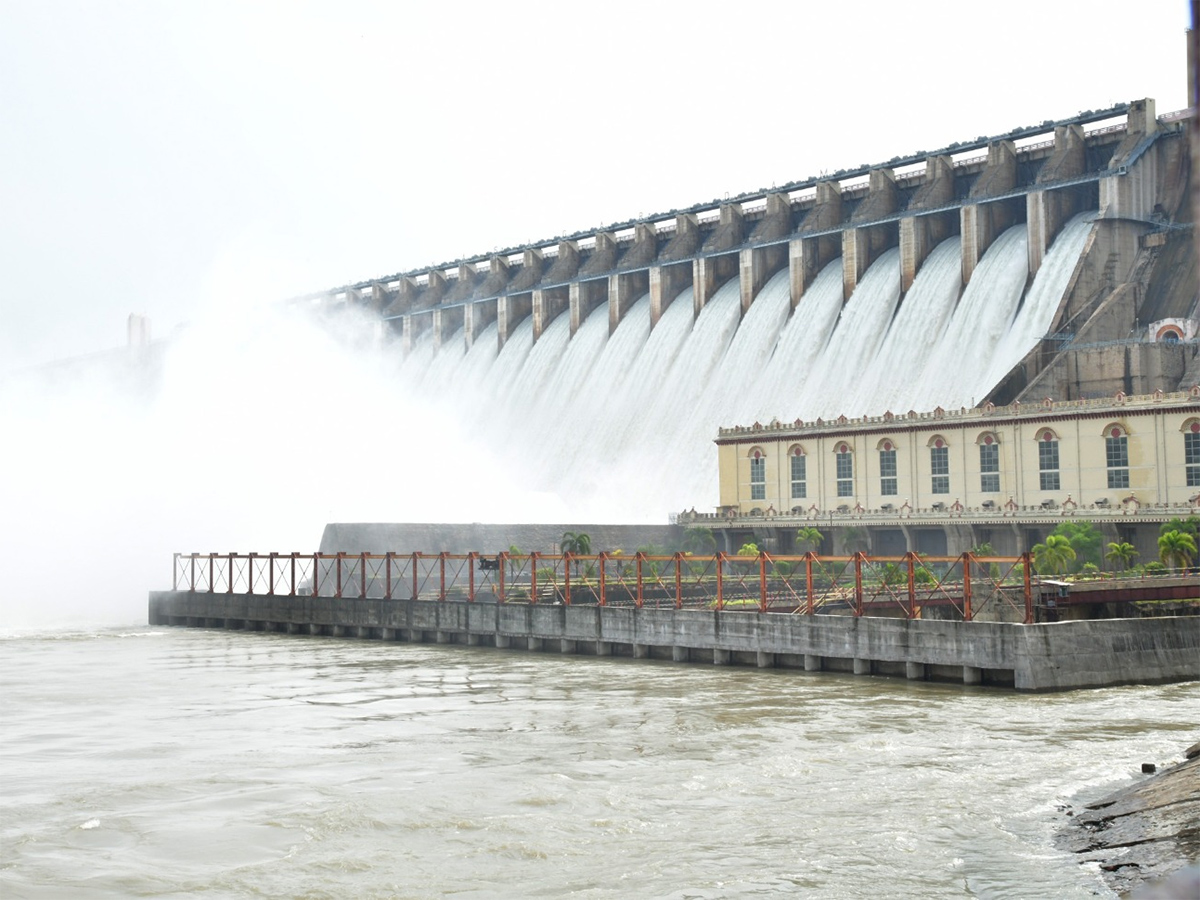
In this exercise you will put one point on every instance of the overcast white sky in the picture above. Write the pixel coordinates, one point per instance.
(153, 154)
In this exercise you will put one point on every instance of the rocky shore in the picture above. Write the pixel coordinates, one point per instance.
(1145, 837)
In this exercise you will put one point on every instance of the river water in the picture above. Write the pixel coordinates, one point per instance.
(192, 763)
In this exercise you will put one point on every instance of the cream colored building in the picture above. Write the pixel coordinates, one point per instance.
(1003, 474)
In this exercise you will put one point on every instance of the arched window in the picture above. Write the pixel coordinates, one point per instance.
(939, 465)
(1191, 451)
(989, 463)
(758, 475)
(799, 466)
(845, 471)
(1048, 460)
(1116, 455)
(887, 469)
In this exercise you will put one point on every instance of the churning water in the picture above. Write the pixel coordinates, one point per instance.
(625, 433)
(219, 764)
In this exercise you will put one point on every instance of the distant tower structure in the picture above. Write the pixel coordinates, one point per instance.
(138, 330)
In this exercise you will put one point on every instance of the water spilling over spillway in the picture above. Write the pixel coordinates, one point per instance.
(621, 426)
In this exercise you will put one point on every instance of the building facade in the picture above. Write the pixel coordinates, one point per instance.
(941, 481)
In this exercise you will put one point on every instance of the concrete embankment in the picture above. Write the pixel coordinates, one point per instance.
(1145, 834)
(1056, 656)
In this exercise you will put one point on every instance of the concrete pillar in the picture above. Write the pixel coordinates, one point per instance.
(547, 305)
(584, 297)
(812, 663)
(472, 639)
(387, 634)
(620, 297)
(435, 289)
(362, 632)
(566, 646)
(752, 274)
(380, 298)
(314, 628)
(972, 675)
(603, 648)
(914, 671)
(339, 630)
(640, 651)
(720, 657)
(679, 654)
(444, 637)
(666, 283)
(862, 667)
(503, 641)
(534, 643)
(704, 282)
(766, 660)
(856, 257)
(293, 628)
(1046, 211)
(981, 222)
(510, 311)
(476, 317)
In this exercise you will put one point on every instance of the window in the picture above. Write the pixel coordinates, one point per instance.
(887, 470)
(758, 476)
(1191, 454)
(939, 465)
(1116, 457)
(1048, 461)
(799, 474)
(845, 471)
(989, 466)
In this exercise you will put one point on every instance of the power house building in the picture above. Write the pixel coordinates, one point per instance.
(941, 482)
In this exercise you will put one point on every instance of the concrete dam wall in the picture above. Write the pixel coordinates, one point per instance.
(598, 366)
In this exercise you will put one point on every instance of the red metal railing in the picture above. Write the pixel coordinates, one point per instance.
(905, 586)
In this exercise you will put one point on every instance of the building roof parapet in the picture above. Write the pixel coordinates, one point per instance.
(987, 413)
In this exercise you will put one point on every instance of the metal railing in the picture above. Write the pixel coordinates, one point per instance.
(964, 587)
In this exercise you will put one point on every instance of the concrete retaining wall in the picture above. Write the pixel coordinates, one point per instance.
(1054, 656)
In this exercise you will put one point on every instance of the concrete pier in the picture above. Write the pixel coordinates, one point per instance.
(1054, 656)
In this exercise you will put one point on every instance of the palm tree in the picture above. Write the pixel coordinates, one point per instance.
(1053, 557)
(748, 549)
(808, 539)
(699, 541)
(1177, 549)
(576, 543)
(1121, 554)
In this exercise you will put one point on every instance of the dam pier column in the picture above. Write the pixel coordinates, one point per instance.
(756, 265)
(808, 255)
(980, 222)
(509, 313)
(1047, 210)
(863, 245)
(674, 267)
(712, 270)
(920, 234)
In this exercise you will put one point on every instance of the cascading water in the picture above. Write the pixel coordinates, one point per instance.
(1041, 302)
(620, 427)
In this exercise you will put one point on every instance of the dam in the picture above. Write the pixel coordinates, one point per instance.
(1050, 261)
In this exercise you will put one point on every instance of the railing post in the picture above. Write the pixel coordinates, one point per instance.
(338, 588)
(639, 557)
(1026, 560)
(720, 557)
(271, 574)
(250, 574)
(387, 565)
(603, 594)
(316, 589)
(858, 590)
(966, 564)
(415, 557)
(808, 581)
(292, 592)
(503, 567)
(363, 572)
(442, 576)
(229, 586)
(566, 579)
(762, 582)
(212, 558)
(678, 580)
(471, 558)
(175, 572)
(912, 585)
(533, 577)
(192, 575)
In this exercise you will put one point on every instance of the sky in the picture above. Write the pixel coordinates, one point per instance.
(159, 157)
